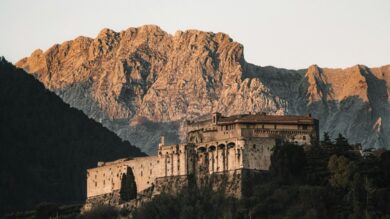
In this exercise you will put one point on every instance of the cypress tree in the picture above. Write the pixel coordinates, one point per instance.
(326, 140)
(128, 189)
(341, 140)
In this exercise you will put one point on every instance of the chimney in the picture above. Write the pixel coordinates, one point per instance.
(162, 140)
(215, 117)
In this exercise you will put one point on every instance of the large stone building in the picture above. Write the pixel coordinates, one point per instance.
(217, 145)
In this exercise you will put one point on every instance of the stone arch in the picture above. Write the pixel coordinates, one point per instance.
(211, 148)
(221, 157)
(212, 157)
(201, 149)
(221, 146)
(231, 145)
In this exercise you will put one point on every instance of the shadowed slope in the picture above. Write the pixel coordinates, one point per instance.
(46, 146)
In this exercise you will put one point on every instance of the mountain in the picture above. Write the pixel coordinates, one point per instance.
(143, 82)
(45, 145)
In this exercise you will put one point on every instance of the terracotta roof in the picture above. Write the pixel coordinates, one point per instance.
(256, 118)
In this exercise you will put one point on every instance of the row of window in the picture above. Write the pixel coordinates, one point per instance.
(228, 127)
(274, 126)
(104, 183)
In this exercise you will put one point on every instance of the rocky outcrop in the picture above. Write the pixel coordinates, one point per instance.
(143, 82)
(353, 101)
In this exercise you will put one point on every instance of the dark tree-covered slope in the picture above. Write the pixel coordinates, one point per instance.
(45, 145)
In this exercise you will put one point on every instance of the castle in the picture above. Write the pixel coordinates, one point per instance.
(216, 145)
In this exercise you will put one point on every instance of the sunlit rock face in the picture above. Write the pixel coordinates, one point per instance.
(144, 82)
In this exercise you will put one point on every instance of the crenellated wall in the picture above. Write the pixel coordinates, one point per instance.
(107, 177)
(220, 147)
(172, 160)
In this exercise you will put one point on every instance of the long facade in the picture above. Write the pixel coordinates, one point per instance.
(215, 145)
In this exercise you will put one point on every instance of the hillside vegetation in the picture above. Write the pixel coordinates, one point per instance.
(330, 181)
(45, 145)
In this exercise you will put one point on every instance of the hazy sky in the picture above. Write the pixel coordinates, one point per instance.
(283, 33)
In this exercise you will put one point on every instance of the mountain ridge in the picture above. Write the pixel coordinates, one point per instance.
(144, 81)
(46, 146)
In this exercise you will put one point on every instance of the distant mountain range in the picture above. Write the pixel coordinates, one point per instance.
(144, 82)
(45, 145)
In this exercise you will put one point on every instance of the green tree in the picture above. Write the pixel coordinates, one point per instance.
(385, 167)
(190, 203)
(288, 161)
(342, 170)
(341, 140)
(326, 139)
(128, 189)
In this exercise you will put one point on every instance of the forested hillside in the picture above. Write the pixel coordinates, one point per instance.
(45, 145)
(330, 181)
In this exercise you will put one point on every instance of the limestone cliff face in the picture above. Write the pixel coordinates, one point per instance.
(143, 82)
(353, 101)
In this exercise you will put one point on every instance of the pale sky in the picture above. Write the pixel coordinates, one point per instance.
(284, 33)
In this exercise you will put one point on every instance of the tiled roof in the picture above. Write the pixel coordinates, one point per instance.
(266, 119)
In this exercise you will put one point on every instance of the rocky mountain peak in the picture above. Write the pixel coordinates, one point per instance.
(106, 33)
(313, 68)
(153, 80)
